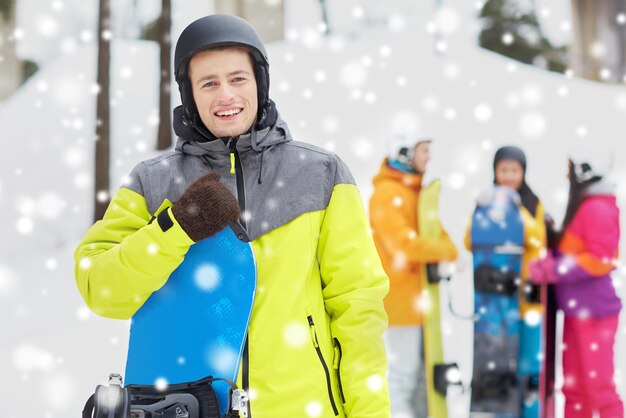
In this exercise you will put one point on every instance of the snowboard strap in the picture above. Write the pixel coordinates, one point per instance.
(183, 400)
(488, 279)
(446, 375)
(111, 401)
(494, 385)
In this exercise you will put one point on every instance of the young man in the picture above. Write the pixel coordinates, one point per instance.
(394, 221)
(300, 209)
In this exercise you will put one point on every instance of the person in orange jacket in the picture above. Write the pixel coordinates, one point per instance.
(394, 222)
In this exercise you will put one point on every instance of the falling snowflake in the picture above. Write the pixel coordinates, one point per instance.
(375, 383)
(362, 148)
(28, 358)
(447, 20)
(533, 125)
(295, 334)
(161, 384)
(532, 318)
(482, 112)
(532, 95)
(314, 409)
(507, 38)
(222, 359)
(50, 206)
(353, 74)
(423, 303)
(25, 225)
(83, 313)
(8, 281)
(450, 113)
(456, 180)
(59, 390)
(207, 277)
(396, 23)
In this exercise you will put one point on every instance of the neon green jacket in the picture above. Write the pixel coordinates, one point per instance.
(320, 281)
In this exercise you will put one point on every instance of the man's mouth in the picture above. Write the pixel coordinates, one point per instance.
(229, 112)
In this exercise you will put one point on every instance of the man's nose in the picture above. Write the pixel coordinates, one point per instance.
(225, 92)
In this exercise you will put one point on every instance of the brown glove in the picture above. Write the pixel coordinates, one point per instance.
(205, 207)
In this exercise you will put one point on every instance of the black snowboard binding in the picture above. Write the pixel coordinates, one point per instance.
(446, 375)
(532, 293)
(112, 400)
(530, 389)
(491, 280)
(493, 385)
(183, 400)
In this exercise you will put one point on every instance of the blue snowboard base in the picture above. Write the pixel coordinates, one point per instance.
(196, 325)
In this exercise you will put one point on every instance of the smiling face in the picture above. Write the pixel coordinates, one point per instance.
(224, 90)
(509, 173)
(421, 156)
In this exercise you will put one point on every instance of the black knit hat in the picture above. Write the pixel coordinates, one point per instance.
(510, 153)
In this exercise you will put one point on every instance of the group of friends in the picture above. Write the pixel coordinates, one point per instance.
(577, 259)
(319, 267)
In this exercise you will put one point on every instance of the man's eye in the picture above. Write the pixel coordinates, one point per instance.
(238, 79)
(208, 84)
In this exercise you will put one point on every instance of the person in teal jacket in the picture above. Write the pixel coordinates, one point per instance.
(314, 341)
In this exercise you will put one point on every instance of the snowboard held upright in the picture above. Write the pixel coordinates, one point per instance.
(438, 373)
(497, 240)
(196, 325)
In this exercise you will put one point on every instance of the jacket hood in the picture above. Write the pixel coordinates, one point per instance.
(387, 173)
(192, 142)
(600, 188)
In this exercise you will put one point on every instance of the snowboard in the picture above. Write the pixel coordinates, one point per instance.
(196, 324)
(530, 362)
(437, 372)
(497, 241)
(548, 371)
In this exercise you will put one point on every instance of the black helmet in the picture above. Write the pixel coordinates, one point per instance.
(216, 31)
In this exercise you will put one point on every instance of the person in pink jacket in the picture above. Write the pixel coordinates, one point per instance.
(580, 268)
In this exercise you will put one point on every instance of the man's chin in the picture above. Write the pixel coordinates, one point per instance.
(225, 133)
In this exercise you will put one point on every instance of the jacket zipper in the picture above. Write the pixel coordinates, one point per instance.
(324, 365)
(339, 355)
(237, 169)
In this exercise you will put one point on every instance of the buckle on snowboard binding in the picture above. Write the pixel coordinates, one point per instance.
(185, 400)
(446, 375)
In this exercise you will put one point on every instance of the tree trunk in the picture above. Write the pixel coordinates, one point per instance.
(102, 155)
(164, 140)
(324, 7)
(10, 67)
(598, 50)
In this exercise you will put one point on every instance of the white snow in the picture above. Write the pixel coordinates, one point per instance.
(380, 72)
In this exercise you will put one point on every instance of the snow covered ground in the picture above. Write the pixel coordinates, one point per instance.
(382, 71)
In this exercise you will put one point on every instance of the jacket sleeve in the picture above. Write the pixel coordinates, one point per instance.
(534, 229)
(124, 257)
(467, 239)
(599, 231)
(354, 286)
(398, 237)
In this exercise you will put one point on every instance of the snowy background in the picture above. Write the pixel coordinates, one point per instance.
(387, 67)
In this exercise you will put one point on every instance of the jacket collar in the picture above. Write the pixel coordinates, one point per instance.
(600, 188)
(191, 141)
(386, 172)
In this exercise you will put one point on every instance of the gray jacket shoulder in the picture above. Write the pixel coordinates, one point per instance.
(338, 171)
(164, 177)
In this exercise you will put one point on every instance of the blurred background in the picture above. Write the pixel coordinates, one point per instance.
(86, 92)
